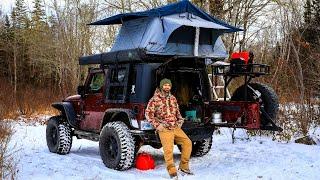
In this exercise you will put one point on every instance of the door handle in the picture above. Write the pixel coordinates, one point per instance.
(85, 113)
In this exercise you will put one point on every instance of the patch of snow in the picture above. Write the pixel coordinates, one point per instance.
(256, 158)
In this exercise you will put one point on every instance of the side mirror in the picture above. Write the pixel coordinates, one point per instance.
(81, 91)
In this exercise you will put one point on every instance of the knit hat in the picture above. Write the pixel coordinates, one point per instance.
(165, 81)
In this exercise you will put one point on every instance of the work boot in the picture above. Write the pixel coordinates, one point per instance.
(185, 172)
(174, 176)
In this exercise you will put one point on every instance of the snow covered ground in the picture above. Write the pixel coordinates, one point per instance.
(257, 158)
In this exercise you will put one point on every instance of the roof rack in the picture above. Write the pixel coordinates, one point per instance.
(131, 56)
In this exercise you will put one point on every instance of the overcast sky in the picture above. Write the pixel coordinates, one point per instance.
(6, 5)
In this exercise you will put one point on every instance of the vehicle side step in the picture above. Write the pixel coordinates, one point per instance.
(86, 135)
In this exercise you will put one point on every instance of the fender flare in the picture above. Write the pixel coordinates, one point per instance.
(111, 115)
(67, 110)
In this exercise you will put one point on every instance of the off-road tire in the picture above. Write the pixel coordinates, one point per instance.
(269, 99)
(58, 135)
(117, 146)
(200, 148)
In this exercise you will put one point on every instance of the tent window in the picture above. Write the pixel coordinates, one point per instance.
(185, 35)
(205, 36)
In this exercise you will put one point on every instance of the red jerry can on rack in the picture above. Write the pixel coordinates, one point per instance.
(244, 56)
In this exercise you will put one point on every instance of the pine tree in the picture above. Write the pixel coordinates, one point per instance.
(307, 12)
(21, 16)
(14, 18)
(316, 11)
(38, 15)
(311, 29)
(7, 22)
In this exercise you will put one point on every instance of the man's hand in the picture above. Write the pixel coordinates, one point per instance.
(160, 128)
(180, 122)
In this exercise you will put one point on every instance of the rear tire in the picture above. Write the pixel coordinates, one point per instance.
(200, 148)
(117, 146)
(268, 100)
(58, 135)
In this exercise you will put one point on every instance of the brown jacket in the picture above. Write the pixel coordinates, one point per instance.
(164, 109)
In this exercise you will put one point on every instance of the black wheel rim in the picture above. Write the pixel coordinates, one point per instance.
(54, 135)
(112, 148)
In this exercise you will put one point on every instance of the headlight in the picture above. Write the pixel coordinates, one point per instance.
(134, 123)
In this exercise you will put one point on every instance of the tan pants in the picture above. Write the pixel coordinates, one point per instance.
(167, 138)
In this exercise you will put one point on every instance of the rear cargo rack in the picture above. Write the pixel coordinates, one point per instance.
(232, 70)
(252, 70)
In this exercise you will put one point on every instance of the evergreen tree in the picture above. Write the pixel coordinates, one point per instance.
(38, 15)
(307, 12)
(20, 15)
(14, 18)
(316, 11)
(311, 30)
(7, 22)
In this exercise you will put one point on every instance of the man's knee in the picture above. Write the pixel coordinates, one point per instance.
(167, 147)
(168, 150)
(187, 142)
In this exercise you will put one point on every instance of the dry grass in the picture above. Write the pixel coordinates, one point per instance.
(8, 169)
(297, 120)
(28, 102)
(35, 101)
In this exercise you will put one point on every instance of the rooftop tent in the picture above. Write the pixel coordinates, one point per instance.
(178, 29)
(174, 8)
(171, 35)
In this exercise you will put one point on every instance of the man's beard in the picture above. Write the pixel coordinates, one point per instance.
(166, 90)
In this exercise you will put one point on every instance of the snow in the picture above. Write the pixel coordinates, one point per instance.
(256, 158)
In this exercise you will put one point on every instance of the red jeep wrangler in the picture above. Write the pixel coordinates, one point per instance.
(176, 41)
(110, 106)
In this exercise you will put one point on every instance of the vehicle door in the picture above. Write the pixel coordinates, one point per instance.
(93, 100)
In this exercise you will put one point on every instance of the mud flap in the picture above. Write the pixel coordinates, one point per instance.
(272, 126)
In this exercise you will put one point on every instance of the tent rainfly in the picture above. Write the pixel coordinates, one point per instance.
(178, 29)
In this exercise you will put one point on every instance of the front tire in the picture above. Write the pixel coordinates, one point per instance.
(58, 135)
(117, 146)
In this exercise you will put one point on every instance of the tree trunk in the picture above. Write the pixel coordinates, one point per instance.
(15, 51)
(300, 72)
